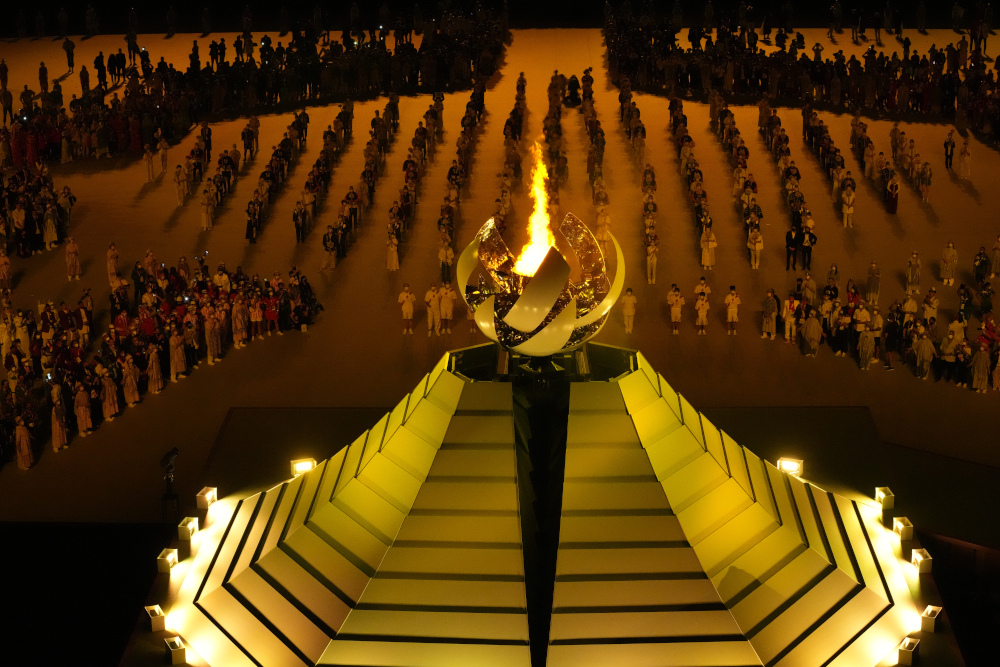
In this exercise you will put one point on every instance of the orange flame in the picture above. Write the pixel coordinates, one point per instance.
(540, 237)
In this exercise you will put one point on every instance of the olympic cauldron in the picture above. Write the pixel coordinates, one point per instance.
(544, 312)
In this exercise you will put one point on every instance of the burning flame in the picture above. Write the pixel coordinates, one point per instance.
(540, 237)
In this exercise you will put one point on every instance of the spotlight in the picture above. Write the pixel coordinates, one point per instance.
(922, 561)
(176, 651)
(928, 619)
(157, 619)
(187, 528)
(907, 652)
(902, 527)
(884, 497)
(793, 467)
(166, 560)
(300, 466)
(207, 497)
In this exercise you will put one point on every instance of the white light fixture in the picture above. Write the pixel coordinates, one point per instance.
(207, 497)
(300, 466)
(922, 561)
(907, 652)
(166, 560)
(902, 527)
(176, 651)
(187, 528)
(885, 498)
(928, 619)
(157, 619)
(793, 467)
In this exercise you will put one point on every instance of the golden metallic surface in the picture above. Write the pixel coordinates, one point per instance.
(549, 311)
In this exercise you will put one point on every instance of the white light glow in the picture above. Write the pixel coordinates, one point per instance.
(791, 466)
(885, 497)
(300, 466)
(207, 497)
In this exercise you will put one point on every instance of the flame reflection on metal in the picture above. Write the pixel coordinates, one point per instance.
(547, 312)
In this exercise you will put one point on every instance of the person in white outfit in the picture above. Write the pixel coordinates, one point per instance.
(433, 301)
(406, 301)
(628, 309)
(446, 299)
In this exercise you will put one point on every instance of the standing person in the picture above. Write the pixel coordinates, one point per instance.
(788, 313)
(433, 302)
(808, 243)
(676, 301)
(178, 358)
(69, 47)
(981, 267)
(980, 366)
(628, 309)
(755, 243)
(701, 307)
(147, 157)
(60, 433)
(406, 300)
(866, 347)
(892, 192)
(770, 310)
(72, 259)
(81, 407)
(112, 263)
(207, 206)
(708, 245)
(6, 279)
(180, 184)
(162, 150)
(109, 397)
(154, 372)
(330, 248)
(446, 298)
(793, 241)
(446, 257)
(22, 440)
(732, 310)
(874, 283)
(812, 333)
(652, 251)
(240, 322)
(924, 352)
(996, 258)
(965, 161)
(847, 207)
(949, 262)
(949, 151)
(924, 181)
(392, 253)
(913, 274)
(130, 381)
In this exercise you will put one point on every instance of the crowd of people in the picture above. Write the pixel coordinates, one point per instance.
(420, 153)
(954, 83)
(847, 319)
(163, 326)
(34, 215)
(167, 100)
(270, 182)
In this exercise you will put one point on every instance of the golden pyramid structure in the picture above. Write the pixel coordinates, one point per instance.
(420, 543)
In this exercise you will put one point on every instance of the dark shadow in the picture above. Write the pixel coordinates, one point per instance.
(901, 278)
(173, 218)
(143, 191)
(932, 216)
